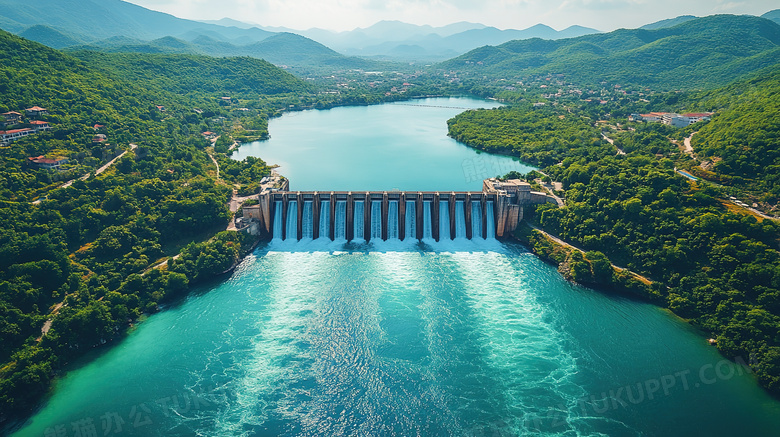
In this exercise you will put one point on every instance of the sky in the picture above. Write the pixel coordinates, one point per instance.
(340, 15)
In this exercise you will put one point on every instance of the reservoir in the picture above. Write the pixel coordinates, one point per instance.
(384, 147)
(452, 338)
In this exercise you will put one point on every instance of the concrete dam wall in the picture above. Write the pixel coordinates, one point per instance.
(339, 215)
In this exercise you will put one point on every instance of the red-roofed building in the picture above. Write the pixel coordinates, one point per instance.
(40, 125)
(209, 135)
(653, 117)
(12, 117)
(47, 163)
(671, 118)
(98, 126)
(15, 134)
(36, 111)
(698, 116)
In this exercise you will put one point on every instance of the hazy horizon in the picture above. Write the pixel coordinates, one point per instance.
(345, 15)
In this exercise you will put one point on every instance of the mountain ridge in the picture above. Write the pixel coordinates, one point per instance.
(704, 52)
(115, 17)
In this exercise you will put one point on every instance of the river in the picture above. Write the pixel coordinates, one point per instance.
(461, 338)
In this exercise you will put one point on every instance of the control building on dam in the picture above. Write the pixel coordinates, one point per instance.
(360, 215)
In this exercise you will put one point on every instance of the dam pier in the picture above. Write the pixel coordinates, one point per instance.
(370, 215)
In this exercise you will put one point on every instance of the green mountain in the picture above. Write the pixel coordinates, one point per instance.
(292, 49)
(671, 22)
(93, 19)
(118, 26)
(286, 49)
(188, 74)
(166, 44)
(701, 53)
(772, 15)
(50, 37)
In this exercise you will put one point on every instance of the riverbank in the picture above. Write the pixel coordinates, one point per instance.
(591, 269)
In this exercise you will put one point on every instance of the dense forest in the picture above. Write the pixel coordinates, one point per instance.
(83, 256)
(542, 135)
(197, 75)
(714, 264)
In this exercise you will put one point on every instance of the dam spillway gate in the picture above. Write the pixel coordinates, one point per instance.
(386, 215)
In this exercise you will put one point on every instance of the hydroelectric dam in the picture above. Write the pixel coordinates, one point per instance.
(370, 215)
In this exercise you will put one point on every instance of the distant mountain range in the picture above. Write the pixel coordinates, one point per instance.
(773, 15)
(671, 22)
(115, 25)
(118, 26)
(100, 19)
(699, 53)
(440, 45)
(395, 40)
(284, 49)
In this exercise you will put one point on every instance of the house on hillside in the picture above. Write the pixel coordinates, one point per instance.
(99, 138)
(674, 120)
(38, 125)
(36, 111)
(209, 135)
(44, 163)
(671, 118)
(653, 117)
(12, 117)
(13, 135)
(696, 117)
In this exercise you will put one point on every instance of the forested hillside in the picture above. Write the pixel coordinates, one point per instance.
(714, 264)
(743, 140)
(696, 54)
(542, 136)
(82, 256)
(285, 49)
(194, 74)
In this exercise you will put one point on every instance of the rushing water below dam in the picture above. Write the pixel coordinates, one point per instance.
(459, 337)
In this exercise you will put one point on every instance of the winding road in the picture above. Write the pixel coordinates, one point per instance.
(97, 172)
(611, 141)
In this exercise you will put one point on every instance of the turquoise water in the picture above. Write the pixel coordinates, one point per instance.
(460, 338)
(393, 146)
